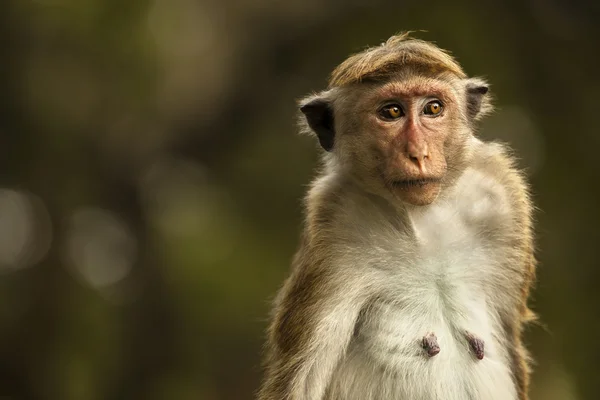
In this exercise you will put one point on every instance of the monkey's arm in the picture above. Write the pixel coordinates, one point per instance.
(315, 317)
(514, 331)
(525, 268)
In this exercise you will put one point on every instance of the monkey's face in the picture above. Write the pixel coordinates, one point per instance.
(404, 139)
(400, 137)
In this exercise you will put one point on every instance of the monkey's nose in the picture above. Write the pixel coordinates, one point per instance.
(418, 153)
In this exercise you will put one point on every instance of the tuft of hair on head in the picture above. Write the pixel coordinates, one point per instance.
(398, 52)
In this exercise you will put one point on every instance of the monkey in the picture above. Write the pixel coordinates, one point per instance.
(416, 259)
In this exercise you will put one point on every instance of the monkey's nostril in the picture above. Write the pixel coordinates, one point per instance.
(418, 161)
(418, 156)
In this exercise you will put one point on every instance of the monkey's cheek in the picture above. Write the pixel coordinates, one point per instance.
(419, 195)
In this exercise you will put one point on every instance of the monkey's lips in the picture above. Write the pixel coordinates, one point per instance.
(419, 192)
(408, 184)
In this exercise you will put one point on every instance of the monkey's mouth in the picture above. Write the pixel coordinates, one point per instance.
(415, 183)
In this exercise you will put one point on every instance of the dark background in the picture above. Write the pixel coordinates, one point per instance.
(151, 179)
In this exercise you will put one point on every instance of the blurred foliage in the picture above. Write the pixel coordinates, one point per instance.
(151, 179)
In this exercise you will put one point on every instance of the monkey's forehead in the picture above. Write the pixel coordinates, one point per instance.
(398, 86)
(414, 86)
(397, 54)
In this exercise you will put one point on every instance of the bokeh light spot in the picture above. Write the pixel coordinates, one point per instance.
(25, 230)
(100, 247)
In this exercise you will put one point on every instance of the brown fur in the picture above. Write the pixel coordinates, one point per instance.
(396, 53)
(502, 165)
(302, 350)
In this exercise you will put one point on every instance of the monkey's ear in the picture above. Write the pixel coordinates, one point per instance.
(318, 113)
(478, 99)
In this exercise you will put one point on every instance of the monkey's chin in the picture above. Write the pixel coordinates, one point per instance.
(417, 193)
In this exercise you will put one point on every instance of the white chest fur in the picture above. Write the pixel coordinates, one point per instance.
(439, 286)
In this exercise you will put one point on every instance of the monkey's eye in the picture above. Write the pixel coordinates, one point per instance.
(391, 111)
(433, 108)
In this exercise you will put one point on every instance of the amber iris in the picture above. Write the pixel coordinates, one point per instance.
(433, 108)
(392, 111)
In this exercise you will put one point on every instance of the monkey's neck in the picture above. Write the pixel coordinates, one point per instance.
(337, 201)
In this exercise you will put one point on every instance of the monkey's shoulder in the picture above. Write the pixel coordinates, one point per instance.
(498, 162)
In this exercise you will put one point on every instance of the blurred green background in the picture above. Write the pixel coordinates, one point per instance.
(151, 179)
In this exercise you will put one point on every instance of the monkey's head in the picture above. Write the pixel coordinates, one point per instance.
(398, 118)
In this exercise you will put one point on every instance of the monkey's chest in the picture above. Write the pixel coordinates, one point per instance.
(425, 349)
(434, 331)
(449, 289)
(434, 336)
(427, 327)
